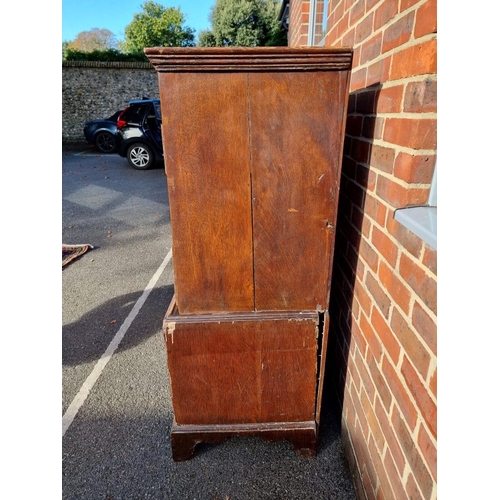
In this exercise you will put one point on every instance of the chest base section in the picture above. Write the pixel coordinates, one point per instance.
(245, 374)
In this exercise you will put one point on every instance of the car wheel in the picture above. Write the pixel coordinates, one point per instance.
(105, 142)
(140, 156)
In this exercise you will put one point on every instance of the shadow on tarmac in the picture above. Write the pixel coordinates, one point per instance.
(87, 339)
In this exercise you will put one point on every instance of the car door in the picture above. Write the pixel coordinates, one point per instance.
(152, 125)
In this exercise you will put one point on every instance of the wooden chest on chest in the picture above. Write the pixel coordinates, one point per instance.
(253, 142)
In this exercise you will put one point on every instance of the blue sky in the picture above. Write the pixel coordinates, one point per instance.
(114, 15)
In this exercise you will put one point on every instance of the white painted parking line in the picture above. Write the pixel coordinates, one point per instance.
(87, 386)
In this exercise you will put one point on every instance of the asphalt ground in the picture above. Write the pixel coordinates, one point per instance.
(116, 423)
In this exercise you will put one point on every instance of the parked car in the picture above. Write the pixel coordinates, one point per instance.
(138, 134)
(101, 133)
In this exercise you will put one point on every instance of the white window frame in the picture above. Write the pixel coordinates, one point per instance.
(312, 23)
(422, 220)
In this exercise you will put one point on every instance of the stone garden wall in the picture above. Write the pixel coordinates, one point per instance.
(92, 90)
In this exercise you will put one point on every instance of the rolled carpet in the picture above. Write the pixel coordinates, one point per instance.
(72, 252)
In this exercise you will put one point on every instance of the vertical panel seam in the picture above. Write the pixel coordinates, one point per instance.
(251, 189)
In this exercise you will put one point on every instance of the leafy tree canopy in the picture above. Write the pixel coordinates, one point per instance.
(244, 23)
(94, 39)
(157, 26)
(206, 39)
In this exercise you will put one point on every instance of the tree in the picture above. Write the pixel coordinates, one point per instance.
(245, 23)
(64, 49)
(95, 39)
(157, 26)
(206, 39)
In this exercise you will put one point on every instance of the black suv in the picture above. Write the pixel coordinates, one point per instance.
(138, 134)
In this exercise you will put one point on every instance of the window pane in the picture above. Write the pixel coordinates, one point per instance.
(318, 15)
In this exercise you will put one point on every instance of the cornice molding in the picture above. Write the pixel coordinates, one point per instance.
(245, 59)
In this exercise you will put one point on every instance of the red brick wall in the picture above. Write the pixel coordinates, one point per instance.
(299, 19)
(383, 348)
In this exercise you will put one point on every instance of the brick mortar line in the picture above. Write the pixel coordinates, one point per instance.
(406, 471)
(389, 84)
(413, 7)
(434, 491)
(387, 449)
(422, 423)
(432, 368)
(388, 475)
(401, 378)
(432, 356)
(416, 261)
(366, 14)
(356, 361)
(403, 81)
(413, 295)
(381, 453)
(399, 182)
(403, 184)
(431, 315)
(412, 42)
(397, 147)
(414, 434)
(357, 464)
(397, 150)
(383, 28)
(369, 321)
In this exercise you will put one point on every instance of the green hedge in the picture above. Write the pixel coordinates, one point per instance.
(110, 55)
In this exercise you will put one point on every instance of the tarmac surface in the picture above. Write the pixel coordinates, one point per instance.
(116, 444)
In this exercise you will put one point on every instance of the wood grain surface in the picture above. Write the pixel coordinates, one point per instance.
(253, 169)
(232, 370)
(296, 142)
(253, 141)
(206, 144)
